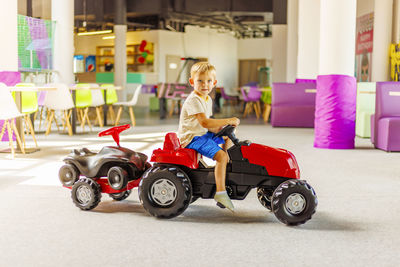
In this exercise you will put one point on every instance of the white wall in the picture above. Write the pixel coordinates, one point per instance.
(220, 49)
(258, 48)
(169, 43)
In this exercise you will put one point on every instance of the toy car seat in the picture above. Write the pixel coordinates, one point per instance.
(173, 153)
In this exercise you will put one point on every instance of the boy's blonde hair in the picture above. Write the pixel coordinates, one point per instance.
(203, 67)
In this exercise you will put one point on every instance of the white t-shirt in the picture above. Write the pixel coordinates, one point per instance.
(189, 126)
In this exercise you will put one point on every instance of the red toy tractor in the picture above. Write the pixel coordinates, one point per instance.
(178, 178)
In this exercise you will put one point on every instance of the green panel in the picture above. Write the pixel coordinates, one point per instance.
(365, 108)
(132, 77)
(105, 77)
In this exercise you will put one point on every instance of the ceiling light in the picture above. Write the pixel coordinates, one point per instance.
(109, 37)
(94, 33)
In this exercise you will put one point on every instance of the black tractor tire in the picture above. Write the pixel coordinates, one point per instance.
(264, 195)
(194, 198)
(165, 191)
(120, 196)
(68, 175)
(86, 193)
(294, 202)
(117, 177)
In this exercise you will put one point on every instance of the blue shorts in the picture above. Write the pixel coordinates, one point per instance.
(207, 144)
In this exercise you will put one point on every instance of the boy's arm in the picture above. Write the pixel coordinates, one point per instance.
(215, 124)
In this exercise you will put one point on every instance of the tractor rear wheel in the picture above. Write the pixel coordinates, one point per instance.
(165, 191)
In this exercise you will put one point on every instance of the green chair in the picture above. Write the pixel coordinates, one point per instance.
(365, 108)
(266, 98)
(29, 105)
(111, 98)
(83, 100)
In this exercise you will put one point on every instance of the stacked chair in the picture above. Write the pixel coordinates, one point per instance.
(83, 100)
(266, 99)
(251, 97)
(59, 100)
(130, 105)
(231, 100)
(8, 112)
(29, 106)
(97, 102)
(111, 98)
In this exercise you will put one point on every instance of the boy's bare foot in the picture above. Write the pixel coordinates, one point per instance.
(223, 200)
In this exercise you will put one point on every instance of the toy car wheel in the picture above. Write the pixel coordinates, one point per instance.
(86, 193)
(120, 196)
(264, 195)
(117, 177)
(294, 202)
(68, 175)
(165, 192)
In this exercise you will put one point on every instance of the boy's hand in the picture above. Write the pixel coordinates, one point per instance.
(234, 121)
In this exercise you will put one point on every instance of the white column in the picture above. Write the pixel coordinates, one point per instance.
(9, 33)
(279, 44)
(308, 39)
(337, 37)
(120, 58)
(382, 40)
(62, 12)
(292, 39)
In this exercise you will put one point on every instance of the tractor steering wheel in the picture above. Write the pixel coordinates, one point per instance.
(228, 130)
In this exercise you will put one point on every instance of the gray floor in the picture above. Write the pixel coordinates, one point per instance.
(356, 223)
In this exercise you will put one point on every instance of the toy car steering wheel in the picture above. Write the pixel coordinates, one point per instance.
(228, 131)
(114, 132)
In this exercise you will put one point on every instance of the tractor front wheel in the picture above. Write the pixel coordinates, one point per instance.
(165, 191)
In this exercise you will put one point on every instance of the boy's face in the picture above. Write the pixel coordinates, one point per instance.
(203, 83)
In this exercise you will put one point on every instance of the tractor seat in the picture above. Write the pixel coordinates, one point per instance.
(173, 153)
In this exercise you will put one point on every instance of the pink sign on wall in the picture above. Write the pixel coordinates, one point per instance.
(364, 45)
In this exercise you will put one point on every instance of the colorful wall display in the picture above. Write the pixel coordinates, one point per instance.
(364, 47)
(146, 50)
(35, 43)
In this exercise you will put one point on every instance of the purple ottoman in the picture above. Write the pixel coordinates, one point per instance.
(293, 104)
(387, 116)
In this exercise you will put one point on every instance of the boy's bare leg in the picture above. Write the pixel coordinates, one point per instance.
(220, 169)
(221, 196)
(228, 143)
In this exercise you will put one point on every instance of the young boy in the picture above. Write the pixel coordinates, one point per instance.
(196, 128)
